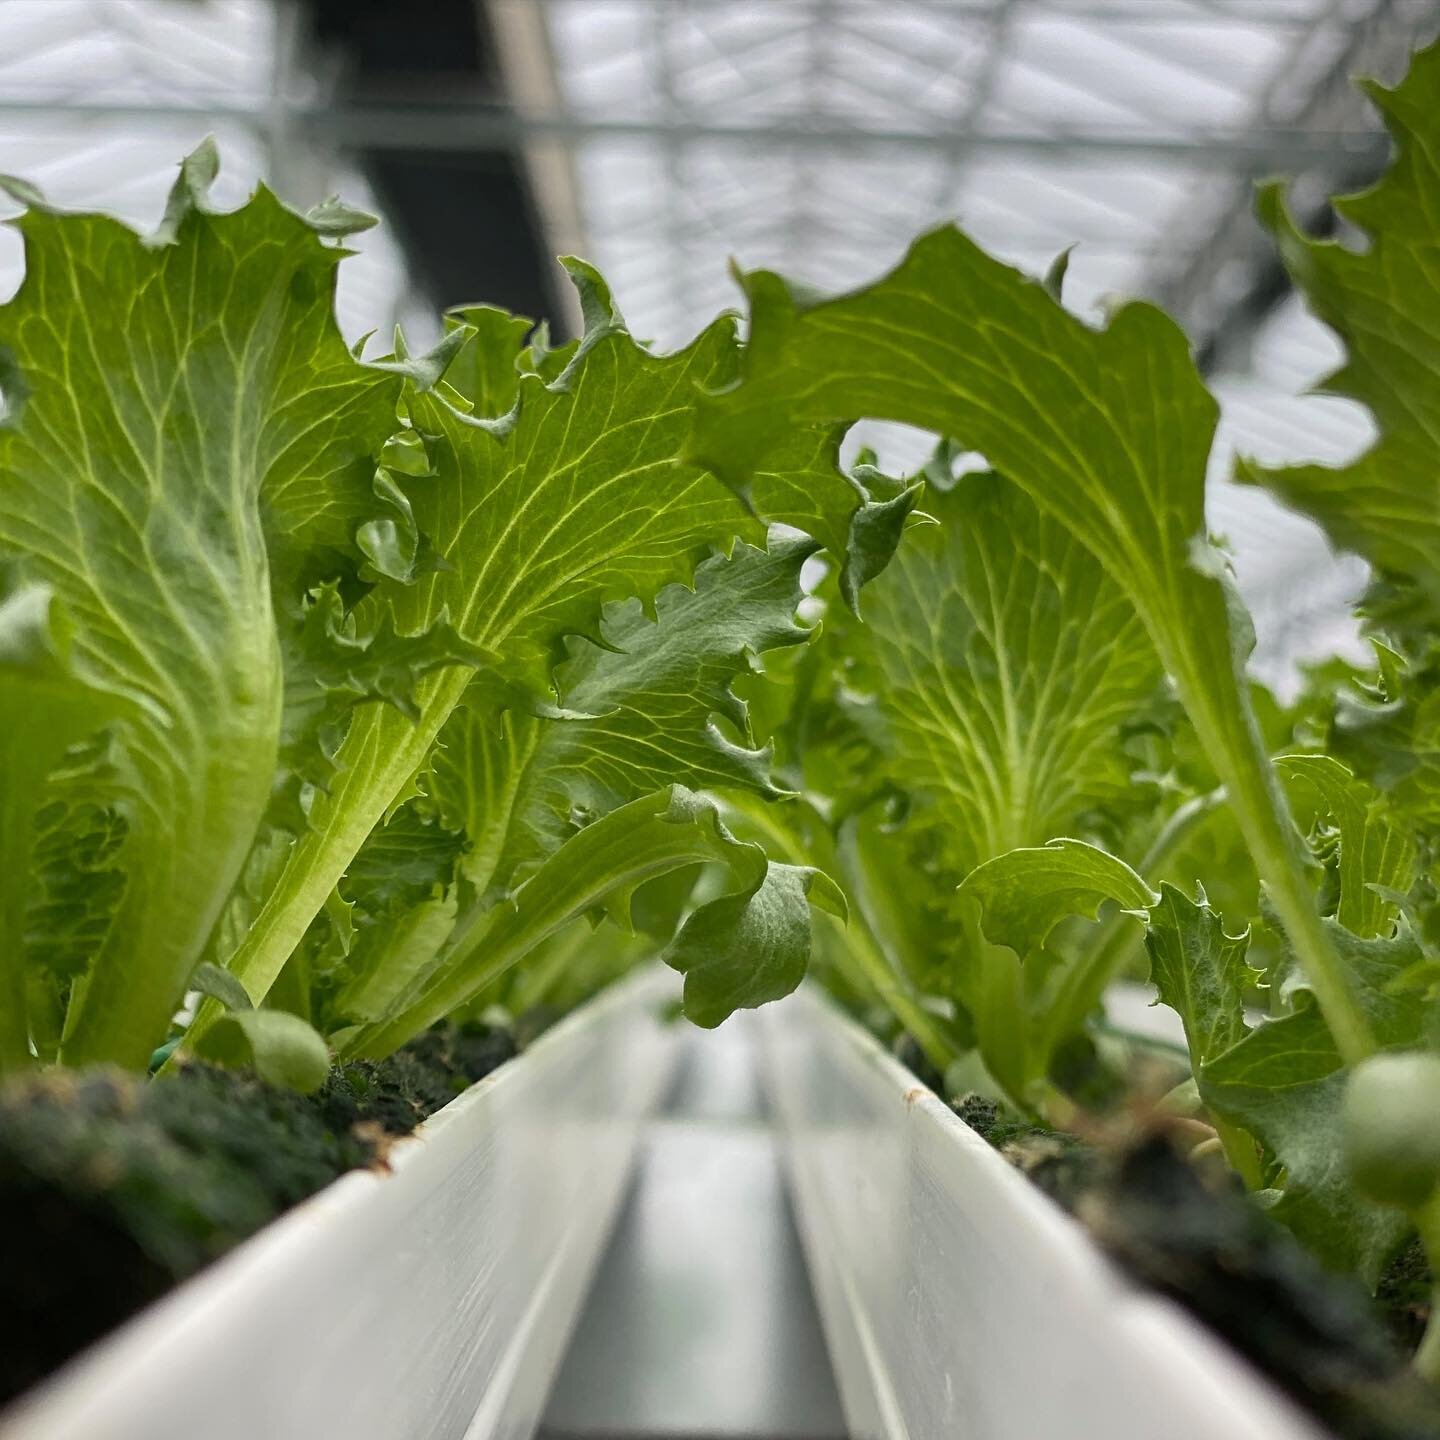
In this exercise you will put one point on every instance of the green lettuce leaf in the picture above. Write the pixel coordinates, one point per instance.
(575, 498)
(740, 951)
(1001, 667)
(1376, 857)
(173, 401)
(857, 516)
(45, 708)
(650, 696)
(1383, 299)
(282, 1048)
(1388, 732)
(1109, 432)
(1199, 971)
(485, 372)
(1024, 894)
(986, 703)
(1284, 1082)
(572, 499)
(643, 709)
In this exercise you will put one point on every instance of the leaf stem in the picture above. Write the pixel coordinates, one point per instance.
(893, 993)
(457, 982)
(1233, 744)
(1004, 1035)
(382, 752)
(1240, 1152)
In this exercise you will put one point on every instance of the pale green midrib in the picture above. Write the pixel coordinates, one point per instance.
(175, 700)
(1243, 769)
(1013, 818)
(562, 579)
(484, 858)
(381, 752)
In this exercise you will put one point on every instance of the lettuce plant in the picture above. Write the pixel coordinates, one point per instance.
(334, 687)
(993, 760)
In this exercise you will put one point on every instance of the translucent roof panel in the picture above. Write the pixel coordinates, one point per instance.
(100, 100)
(820, 135)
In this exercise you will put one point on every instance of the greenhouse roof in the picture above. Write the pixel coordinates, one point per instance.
(665, 137)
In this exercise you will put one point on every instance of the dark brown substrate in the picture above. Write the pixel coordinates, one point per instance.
(114, 1188)
(1191, 1233)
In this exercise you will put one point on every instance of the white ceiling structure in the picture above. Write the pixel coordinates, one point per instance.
(818, 137)
(100, 99)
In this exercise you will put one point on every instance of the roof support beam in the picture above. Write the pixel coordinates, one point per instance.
(392, 125)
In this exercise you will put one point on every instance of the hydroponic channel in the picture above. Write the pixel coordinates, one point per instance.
(701, 1319)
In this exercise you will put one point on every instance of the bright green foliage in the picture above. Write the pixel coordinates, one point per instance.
(249, 578)
(1199, 972)
(574, 498)
(1107, 430)
(647, 703)
(985, 702)
(172, 400)
(44, 709)
(1024, 894)
(282, 1047)
(640, 711)
(750, 947)
(600, 869)
(1384, 302)
(374, 686)
(1284, 1082)
(1388, 731)
(385, 923)
(1003, 667)
(571, 499)
(925, 757)
(485, 373)
(1376, 858)
(858, 516)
